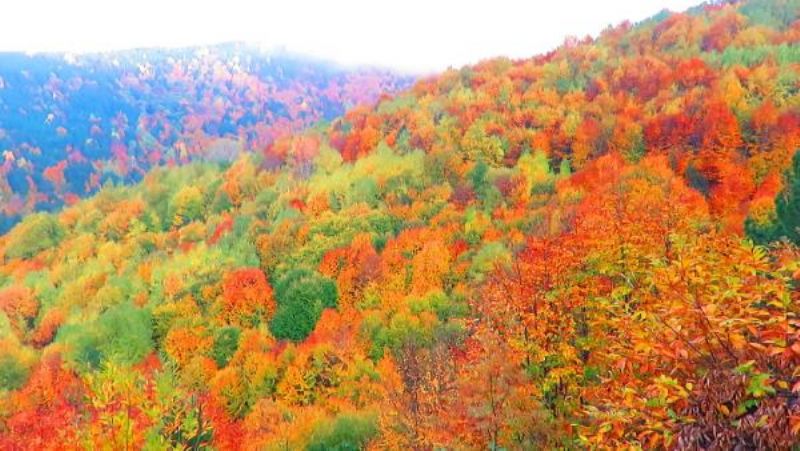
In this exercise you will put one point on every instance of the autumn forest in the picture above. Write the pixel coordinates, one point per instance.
(591, 248)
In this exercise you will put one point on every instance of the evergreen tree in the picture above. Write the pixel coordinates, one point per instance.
(787, 204)
(302, 295)
(786, 221)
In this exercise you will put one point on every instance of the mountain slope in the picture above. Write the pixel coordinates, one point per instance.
(69, 124)
(536, 254)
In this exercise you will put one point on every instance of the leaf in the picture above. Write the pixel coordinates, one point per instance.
(759, 386)
(794, 421)
(762, 421)
(745, 368)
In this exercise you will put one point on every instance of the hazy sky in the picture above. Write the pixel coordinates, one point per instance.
(416, 35)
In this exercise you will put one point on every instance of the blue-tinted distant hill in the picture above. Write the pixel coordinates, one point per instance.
(70, 123)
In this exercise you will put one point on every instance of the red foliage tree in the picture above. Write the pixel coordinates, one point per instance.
(246, 292)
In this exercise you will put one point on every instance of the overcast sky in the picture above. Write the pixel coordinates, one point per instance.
(413, 35)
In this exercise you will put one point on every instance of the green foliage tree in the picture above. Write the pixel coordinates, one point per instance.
(771, 13)
(222, 202)
(122, 333)
(226, 342)
(481, 178)
(13, 373)
(479, 146)
(187, 205)
(36, 233)
(535, 167)
(787, 204)
(763, 232)
(348, 432)
(786, 221)
(488, 257)
(302, 295)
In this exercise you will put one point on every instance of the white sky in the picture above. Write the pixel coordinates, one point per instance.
(413, 35)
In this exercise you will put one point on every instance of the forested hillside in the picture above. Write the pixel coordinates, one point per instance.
(592, 248)
(71, 123)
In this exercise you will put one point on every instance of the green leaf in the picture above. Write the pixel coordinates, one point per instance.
(745, 368)
(759, 386)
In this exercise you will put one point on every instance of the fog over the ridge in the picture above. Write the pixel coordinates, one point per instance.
(411, 35)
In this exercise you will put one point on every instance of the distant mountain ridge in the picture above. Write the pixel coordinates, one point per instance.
(69, 123)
